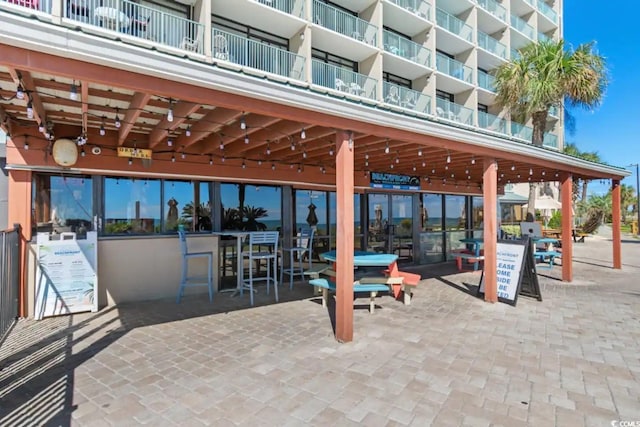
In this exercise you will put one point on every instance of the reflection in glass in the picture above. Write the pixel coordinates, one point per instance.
(251, 207)
(431, 212)
(378, 222)
(178, 195)
(131, 206)
(455, 212)
(62, 204)
(402, 230)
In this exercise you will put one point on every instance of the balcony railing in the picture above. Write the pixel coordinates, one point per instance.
(542, 37)
(486, 81)
(514, 54)
(454, 68)
(419, 7)
(139, 21)
(454, 112)
(553, 111)
(550, 140)
(343, 80)
(253, 54)
(491, 122)
(341, 22)
(523, 27)
(406, 98)
(292, 7)
(486, 42)
(521, 131)
(42, 5)
(494, 8)
(453, 25)
(548, 11)
(406, 48)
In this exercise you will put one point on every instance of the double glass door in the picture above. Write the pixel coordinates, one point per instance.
(390, 224)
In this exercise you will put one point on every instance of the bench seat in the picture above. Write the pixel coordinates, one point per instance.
(471, 258)
(359, 286)
(551, 255)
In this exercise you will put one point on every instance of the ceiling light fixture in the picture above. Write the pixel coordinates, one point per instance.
(303, 134)
(210, 160)
(102, 130)
(188, 131)
(26, 143)
(243, 124)
(30, 110)
(268, 151)
(170, 112)
(173, 158)
(73, 92)
(473, 160)
(386, 148)
(130, 161)
(420, 152)
(246, 139)
(20, 92)
(117, 121)
(41, 127)
(169, 142)
(448, 158)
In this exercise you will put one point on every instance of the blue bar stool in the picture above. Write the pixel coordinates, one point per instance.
(185, 279)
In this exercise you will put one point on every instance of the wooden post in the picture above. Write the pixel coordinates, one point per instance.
(615, 214)
(490, 194)
(20, 213)
(567, 227)
(344, 237)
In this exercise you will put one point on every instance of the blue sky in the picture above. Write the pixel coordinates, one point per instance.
(613, 129)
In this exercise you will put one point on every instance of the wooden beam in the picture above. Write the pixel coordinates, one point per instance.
(138, 102)
(490, 204)
(617, 236)
(84, 93)
(5, 125)
(180, 112)
(234, 136)
(24, 78)
(344, 239)
(208, 124)
(566, 191)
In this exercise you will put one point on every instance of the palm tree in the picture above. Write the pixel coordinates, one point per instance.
(592, 156)
(627, 199)
(546, 75)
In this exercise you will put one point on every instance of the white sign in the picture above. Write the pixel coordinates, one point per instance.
(510, 258)
(66, 275)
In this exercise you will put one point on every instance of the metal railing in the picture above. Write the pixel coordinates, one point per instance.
(406, 48)
(550, 140)
(486, 81)
(41, 5)
(343, 80)
(553, 111)
(254, 54)
(523, 27)
(488, 43)
(9, 278)
(454, 68)
(455, 112)
(514, 54)
(125, 16)
(542, 37)
(453, 25)
(521, 131)
(494, 8)
(492, 122)
(548, 11)
(406, 98)
(419, 7)
(292, 7)
(344, 23)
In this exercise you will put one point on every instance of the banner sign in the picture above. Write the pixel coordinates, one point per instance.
(393, 181)
(136, 153)
(66, 275)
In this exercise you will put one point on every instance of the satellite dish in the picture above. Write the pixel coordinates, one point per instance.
(65, 152)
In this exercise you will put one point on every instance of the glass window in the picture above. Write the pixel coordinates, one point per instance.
(251, 207)
(455, 212)
(62, 203)
(178, 201)
(444, 95)
(132, 206)
(477, 213)
(431, 212)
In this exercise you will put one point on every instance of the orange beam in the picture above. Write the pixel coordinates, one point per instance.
(84, 93)
(344, 239)
(136, 105)
(19, 192)
(24, 78)
(490, 204)
(211, 122)
(566, 190)
(4, 123)
(180, 112)
(617, 236)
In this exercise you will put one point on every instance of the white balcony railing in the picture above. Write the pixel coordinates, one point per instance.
(488, 43)
(344, 23)
(405, 48)
(406, 98)
(454, 112)
(492, 122)
(453, 25)
(419, 7)
(343, 80)
(486, 81)
(453, 68)
(292, 7)
(494, 8)
(523, 27)
(547, 11)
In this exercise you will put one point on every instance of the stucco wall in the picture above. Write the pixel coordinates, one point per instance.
(140, 269)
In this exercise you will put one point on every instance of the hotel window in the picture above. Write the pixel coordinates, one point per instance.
(483, 108)
(444, 95)
(62, 203)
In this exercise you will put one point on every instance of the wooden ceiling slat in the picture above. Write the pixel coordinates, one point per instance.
(137, 104)
(208, 124)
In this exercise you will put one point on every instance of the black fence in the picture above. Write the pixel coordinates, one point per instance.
(9, 278)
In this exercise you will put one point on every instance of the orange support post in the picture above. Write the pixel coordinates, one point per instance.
(567, 227)
(344, 237)
(615, 213)
(19, 192)
(490, 205)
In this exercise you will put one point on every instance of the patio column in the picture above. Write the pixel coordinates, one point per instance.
(615, 214)
(19, 192)
(566, 191)
(490, 232)
(344, 237)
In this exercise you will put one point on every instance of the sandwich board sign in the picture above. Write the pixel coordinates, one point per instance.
(516, 271)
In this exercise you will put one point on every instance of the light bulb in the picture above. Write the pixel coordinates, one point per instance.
(473, 160)
(20, 92)
(170, 112)
(273, 166)
(331, 151)
(420, 152)
(243, 124)
(169, 142)
(188, 131)
(41, 127)
(102, 131)
(268, 151)
(210, 160)
(246, 139)
(530, 171)
(304, 154)
(183, 156)
(130, 161)
(448, 158)
(244, 165)
(303, 134)
(117, 122)
(293, 147)
(30, 110)
(26, 145)
(386, 149)
(73, 92)
(173, 158)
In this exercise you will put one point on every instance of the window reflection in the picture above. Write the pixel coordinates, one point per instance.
(456, 217)
(251, 207)
(62, 204)
(431, 212)
(131, 206)
(178, 209)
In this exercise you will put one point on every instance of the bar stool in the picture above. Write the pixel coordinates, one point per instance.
(303, 247)
(185, 279)
(262, 246)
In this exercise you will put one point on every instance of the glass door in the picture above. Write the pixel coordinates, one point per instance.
(390, 224)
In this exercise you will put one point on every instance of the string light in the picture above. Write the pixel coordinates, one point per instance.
(293, 146)
(303, 134)
(448, 158)
(273, 166)
(131, 161)
(246, 139)
(41, 127)
(386, 148)
(183, 155)
(268, 150)
(117, 121)
(513, 167)
(530, 171)
(188, 131)
(473, 160)
(73, 92)
(170, 112)
(243, 124)
(102, 130)
(169, 142)
(173, 158)
(210, 160)
(30, 110)
(26, 143)
(304, 154)
(20, 92)
(420, 152)
(331, 151)
(244, 165)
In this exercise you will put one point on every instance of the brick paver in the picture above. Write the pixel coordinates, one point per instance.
(448, 359)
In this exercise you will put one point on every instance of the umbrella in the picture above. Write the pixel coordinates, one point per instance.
(312, 218)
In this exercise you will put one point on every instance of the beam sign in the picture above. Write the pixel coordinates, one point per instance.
(136, 153)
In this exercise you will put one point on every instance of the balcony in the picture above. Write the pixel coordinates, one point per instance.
(550, 140)
(454, 25)
(547, 11)
(553, 111)
(486, 81)
(405, 48)
(344, 23)
(453, 68)
(492, 123)
(419, 7)
(343, 80)
(521, 131)
(522, 27)
(543, 37)
(454, 112)
(292, 7)
(488, 43)
(259, 56)
(406, 99)
(494, 8)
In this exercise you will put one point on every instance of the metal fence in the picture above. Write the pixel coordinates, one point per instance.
(9, 278)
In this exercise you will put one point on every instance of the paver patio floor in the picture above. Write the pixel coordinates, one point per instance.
(448, 359)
